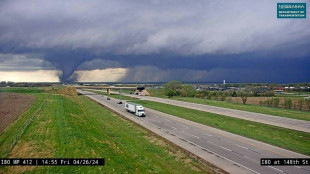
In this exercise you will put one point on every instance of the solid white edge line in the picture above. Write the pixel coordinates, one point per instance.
(276, 169)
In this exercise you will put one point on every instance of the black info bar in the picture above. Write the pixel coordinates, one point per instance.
(52, 162)
(285, 161)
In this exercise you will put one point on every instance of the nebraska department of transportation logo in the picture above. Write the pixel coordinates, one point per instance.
(291, 10)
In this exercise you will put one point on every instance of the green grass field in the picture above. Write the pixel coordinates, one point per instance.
(29, 90)
(77, 127)
(281, 137)
(289, 113)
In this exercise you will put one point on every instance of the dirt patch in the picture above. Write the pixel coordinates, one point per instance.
(12, 106)
(30, 150)
(172, 151)
(250, 100)
(27, 150)
(183, 156)
(26, 147)
(256, 100)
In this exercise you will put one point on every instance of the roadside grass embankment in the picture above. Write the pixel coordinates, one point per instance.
(77, 127)
(285, 138)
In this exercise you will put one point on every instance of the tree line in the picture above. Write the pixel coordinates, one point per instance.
(176, 88)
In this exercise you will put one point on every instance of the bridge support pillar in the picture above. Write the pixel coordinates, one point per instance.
(108, 91)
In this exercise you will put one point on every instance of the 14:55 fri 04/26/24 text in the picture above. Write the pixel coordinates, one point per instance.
(51, 161)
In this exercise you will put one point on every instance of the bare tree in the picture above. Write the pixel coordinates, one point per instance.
(244, 97)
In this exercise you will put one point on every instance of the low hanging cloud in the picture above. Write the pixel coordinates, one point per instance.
(31, 76)
(170, 36)
(20, 62)
(27, 68)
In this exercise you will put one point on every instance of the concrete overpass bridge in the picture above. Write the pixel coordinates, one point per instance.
(137, 89)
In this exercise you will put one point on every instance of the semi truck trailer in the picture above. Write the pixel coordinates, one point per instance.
(137, 109)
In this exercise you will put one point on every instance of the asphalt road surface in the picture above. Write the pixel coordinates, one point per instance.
(289, 123)
(230, 152)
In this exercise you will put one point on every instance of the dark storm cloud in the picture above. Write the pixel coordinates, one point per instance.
(13, 62)
(208, 35)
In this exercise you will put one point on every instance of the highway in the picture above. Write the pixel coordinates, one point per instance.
(230, 152)
(289, 123)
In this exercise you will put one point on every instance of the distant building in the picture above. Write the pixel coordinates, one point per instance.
(279, 88)
(279, 91)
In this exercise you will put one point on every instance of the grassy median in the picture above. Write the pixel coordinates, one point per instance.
(77, 127)
(289, 139)
(289, 113)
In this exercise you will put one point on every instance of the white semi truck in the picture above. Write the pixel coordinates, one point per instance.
(137, 109)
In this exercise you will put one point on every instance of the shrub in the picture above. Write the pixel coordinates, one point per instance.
(234, 94)
(171, 93)
(269, 102)
(276, 102)
(223, 97)
(187, 91)
(199, 95)
(288, 103)
(307, 103)
(216, 96)
(209, 96)
(269, 94)
(172, 88)
(229, 99)
(300, 103)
